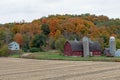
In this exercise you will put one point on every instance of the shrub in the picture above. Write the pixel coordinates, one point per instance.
(25, 49)
(59, 44)
(15, 53)
(34, 49)
(52, 45)
(4, 50)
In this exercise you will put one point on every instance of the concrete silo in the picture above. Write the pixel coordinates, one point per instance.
(86, 47)
(112, 44)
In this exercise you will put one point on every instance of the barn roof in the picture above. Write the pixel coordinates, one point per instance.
(94, 46)
(76, 45)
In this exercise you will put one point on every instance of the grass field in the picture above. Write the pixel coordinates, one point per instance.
(55, 55)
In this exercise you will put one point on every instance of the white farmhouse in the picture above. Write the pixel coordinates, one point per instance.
(14, 46)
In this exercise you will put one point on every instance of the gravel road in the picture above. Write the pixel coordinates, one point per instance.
(29, 69)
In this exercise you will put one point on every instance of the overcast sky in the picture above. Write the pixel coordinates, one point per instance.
(17, 10)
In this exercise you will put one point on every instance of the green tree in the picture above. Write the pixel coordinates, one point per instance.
(45, 29)
(2, 37)
(4, 50)
(9, 36)
(26, 44)
(59, 44)
(39, 40)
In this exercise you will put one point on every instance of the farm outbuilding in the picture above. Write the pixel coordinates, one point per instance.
(117, 53)
(75, 48)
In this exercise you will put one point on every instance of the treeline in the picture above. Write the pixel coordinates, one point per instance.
(47, 32)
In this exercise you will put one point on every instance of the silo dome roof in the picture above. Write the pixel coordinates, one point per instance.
(112, 38)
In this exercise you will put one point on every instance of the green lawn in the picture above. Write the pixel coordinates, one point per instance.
(14, 56)
(56, 56)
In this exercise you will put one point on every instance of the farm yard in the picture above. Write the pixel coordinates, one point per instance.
(30, 69)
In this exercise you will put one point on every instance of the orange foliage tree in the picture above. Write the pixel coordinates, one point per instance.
(19, 38)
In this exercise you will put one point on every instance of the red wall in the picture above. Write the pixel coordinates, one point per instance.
(77, 53)
(96, 53)
(68, 51)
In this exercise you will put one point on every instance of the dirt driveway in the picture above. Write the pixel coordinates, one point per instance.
(28, 69)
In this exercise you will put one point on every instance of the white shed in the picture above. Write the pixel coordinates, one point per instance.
(117, 53)
(14, 46)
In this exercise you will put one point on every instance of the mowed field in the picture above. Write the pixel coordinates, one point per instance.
(29, 69)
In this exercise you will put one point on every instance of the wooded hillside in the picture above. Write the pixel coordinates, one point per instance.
(49, 30)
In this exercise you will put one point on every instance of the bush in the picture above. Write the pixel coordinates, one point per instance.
(52, 45)
(34, 49)
(59, 44)
(15, 53)
(4, 50)
(25, 49)
(118, 43)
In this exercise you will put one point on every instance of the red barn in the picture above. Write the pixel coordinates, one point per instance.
(73, 48)
(95, 48)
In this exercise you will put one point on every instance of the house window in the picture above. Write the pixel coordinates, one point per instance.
(10, 47)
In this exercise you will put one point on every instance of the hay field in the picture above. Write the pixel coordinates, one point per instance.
(29, 69)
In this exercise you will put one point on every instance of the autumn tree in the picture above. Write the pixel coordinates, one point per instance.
(53, 25)
(19, 38)
(16, 28)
